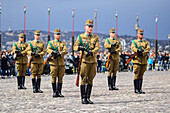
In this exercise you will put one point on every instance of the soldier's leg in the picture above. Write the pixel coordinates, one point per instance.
(40, 71)
(115, 69)
(110, 71)
(24, 68)
(19, 74)
(91, 75)
(53, 82)
(143, 69)
(34, 69)
(84, 71)
(136, 77)
(61, 71)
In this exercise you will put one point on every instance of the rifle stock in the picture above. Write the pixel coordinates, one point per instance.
(77, 80)
(47, 60)
(28, 65)
(131, 58)
(15, 59)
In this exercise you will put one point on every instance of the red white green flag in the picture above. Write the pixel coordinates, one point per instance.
(73, 13)
(116, 14)
(24, 9)
(49, 10)
(0, 8)
(156, 20)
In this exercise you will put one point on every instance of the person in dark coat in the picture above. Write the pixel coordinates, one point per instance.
(4, 65)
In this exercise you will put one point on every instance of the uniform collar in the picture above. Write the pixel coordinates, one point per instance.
(57, 40)
(140, 40)
(37, 41)
(88, 35)
(112, 38)
(21, 42)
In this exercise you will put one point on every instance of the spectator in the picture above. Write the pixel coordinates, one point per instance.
(0, 61)
(163, 60)
(11, 60)
(150, 62)
(98, 63)
(167, 61)
(4, 65)
(160, 61)
(154, 59)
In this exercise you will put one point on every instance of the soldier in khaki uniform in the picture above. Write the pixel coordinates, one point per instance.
(140, 62)
(20, 49)
(36, 49)
(57, 49)
(89, 44)
(114, 47)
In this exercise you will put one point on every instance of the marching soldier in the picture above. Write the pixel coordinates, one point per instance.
(20, 49)
(114, 47)
(89, 44)
(141, 47)
(36, 49)
(57, 49)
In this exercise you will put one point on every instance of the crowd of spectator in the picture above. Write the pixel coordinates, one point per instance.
(161, 63)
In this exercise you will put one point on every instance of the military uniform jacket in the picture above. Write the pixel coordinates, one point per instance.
(37, 47)
(117, 48)
(22, 47)
(144, 45)
(91, 43)
(60, 47)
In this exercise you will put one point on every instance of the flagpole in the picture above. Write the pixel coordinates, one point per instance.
(95, 16)
(24, 23)
(156, 41)
(116, 24)
(73, 33)
(48, 38)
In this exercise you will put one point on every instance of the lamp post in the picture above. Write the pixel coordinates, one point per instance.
(156, 41)
(73, 33)
(95, 16)
(137, 23)
(169, 41)
(24, 23)
(48, 37)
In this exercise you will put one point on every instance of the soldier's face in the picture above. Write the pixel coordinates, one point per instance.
(21, 39)
(57, 36)
(37, 37)
(112, 35)
(88, 29)
(140, 36)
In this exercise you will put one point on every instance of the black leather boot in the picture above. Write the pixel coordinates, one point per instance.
(38, 86)
(83, 94)
(140, 86)
(54, 90)
(59, 87)
(23, 82)
(109, 82)
(136, 86)
(34, 85)
(88, 93)
(113, 83)
(19, 82)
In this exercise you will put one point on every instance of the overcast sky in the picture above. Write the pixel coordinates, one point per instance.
(61, 15)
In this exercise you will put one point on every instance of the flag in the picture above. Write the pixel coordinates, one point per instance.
(73, 13)
(95, 14)
(116, 14)
(48, 10)
(24, 9)
(156, 20)
(0, 8)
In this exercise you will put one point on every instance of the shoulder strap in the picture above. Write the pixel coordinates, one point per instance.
(80, 41)
(16, 46)
(34, 48)
(136, 45)
(56, 49)
(108, 40)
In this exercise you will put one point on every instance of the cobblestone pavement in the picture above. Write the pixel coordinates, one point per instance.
(156, 85)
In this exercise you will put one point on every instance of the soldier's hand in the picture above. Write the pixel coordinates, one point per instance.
(81, 48)
(19, 54)
(58, 55)
(89, 54)
(113, 52)
(16, 51)
(37, 55)
(54, 52)
(32, 53)
(113, 44)
(139, 50)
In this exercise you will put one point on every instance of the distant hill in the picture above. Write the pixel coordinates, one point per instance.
(8, 37)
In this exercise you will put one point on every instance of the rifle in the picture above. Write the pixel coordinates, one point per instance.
(28, 65)
(77, 80)
(127, 61)
(50, 56)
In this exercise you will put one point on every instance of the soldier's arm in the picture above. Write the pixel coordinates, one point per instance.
(133, 47)
(25, 51)
(76, 44)
(64, 50)
(107, 45)
(49, 49)
(97, 46)
(42, 53)
(29, 50)
(147, 49)
(14, 48)
(119, 48)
